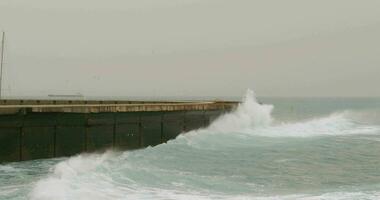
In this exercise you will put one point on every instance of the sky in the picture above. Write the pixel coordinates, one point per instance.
(183, 48)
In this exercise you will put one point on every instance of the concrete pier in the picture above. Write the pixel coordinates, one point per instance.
(34, 129)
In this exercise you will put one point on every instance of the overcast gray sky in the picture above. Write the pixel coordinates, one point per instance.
(191, 47)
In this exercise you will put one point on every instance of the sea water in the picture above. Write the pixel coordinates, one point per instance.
(287, 148)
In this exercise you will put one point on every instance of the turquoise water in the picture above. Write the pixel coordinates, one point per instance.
(290, 148)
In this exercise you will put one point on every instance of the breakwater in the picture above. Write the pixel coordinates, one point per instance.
(34, 129)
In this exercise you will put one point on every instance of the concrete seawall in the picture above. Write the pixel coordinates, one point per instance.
(46, 129)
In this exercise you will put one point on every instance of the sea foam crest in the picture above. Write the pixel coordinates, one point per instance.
(335, 124)
(249, 114)
(254, 118)
(61, 184)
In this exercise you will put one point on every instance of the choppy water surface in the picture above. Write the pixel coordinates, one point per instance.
(308, 149)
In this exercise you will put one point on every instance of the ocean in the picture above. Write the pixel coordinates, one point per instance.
(284, 148)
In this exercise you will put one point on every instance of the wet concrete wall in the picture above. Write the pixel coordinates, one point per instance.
(27, 136)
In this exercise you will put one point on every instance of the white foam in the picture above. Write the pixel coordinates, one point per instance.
(59, 184)
(163, 194)
(248, 114)
(254, 118)
(371, 195)
(333, 125)
(7, 168)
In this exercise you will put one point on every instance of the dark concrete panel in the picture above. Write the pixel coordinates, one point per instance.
(37, 142)
(9, 144)
(193, 125)
(195, 116)
(173, 124)
(133, 117)
(127, 136)
(99, 137)
(151, 116)
(211, 115)
(171, 129)
(101, 119)
(40, 119)
(11, 120)
(151, 130)
(70, 140)
(71, 119)
(173, 116)
(194, 120)
(151, 133)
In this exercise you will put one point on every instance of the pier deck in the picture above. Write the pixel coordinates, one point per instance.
(14, 106)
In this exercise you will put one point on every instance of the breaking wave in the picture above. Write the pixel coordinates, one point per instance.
(245, 154)
(335, 124)
(253, 118)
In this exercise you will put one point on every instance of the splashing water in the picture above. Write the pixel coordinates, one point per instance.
(248, 115)
(245, 154)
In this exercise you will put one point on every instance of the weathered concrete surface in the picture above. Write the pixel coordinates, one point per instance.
(81, 107)
(60, 102)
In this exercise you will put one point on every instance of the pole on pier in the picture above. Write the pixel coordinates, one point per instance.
(1, 63)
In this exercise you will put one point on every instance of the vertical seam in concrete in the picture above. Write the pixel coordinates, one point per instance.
(22, 135)
(184, 121)
(114, 131)
(140, 130)
(54, 141)
(86, 133)
(162, 127)
(55, 137)
(20, 142)
(205, 124)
